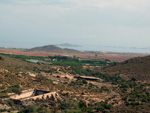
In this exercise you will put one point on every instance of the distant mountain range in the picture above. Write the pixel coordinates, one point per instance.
(67, 45)
(52, 48)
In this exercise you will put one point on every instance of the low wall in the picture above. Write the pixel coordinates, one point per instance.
(87, 78)
(43, 96)
(24, 94)
(32, 94)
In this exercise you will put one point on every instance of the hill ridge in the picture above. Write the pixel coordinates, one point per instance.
(53, 48)
(138, 68)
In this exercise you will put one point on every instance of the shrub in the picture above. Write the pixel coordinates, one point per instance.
(10, 103)
(104, 88)
(101, 106)
(40, 77)
(74, 111)
(31, 109)
(1, 58)
(67, 94)
(133, 79)
(65, 106)
(41, 110)
(84, 81)
(3, 110)
(16, 89)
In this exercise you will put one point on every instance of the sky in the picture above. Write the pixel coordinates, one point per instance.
(30, 23)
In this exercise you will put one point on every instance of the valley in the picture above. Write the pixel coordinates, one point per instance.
(113, 56)
(82, 85)
(74, 56)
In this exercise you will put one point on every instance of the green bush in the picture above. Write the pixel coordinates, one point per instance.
(41, 110)
(65, 106)
(67, 94)
(104, 88)
(16, 89)
(40, 77)
(1, 58)
(84, 81)
(101, 106)
(74, 111)
(32, 109)
(10, 103)
(3, 110)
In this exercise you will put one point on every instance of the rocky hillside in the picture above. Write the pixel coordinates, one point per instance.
(111, 94)
(138, 68)
(16, 75)
(53, 48)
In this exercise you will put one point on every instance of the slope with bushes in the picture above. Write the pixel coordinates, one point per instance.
(138, 68)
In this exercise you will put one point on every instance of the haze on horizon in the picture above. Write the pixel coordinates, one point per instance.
(30, 23)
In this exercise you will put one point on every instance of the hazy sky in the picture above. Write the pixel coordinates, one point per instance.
(29, 23)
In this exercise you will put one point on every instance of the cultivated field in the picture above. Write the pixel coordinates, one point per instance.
(85, 55)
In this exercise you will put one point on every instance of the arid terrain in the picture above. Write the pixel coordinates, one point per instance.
(46, 82)
(75, 56)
